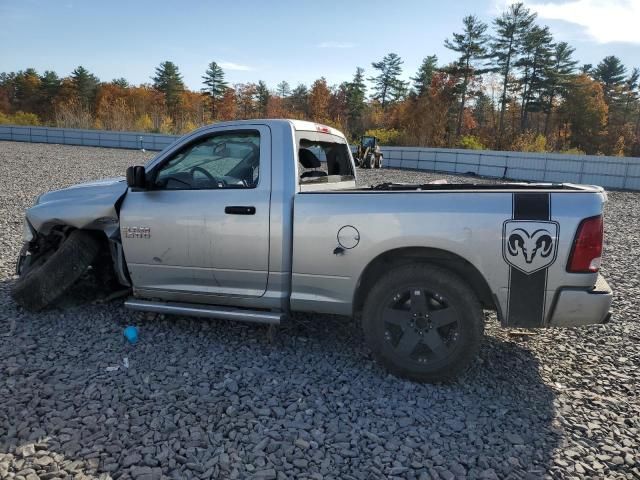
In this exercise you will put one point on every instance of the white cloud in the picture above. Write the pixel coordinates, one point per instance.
(234, 66)
(604, 21)
(334, 44)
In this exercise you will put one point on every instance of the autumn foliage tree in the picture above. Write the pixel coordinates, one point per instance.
(319, 97)
(584, 115)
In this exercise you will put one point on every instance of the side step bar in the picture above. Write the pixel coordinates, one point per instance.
(207, 311)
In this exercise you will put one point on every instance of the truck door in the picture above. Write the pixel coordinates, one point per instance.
(202, 224)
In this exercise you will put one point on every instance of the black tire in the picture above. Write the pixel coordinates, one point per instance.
(422, 322)
(46, 281)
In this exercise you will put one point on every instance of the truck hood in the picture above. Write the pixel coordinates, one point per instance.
(86, 205)
(100, 188)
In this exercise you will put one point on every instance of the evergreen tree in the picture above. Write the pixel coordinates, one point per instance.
(167, 79)
(262, 98)
(86, 85)
(356, 91)
(283, 89)
(586, 68)
(388, 86)
(470, 44)
(631, 92)
(424, 75)
(535, 62)
(560, 73)
(483, 111)
(216, 86)
(511, 27)
(610, 72)
(299, 99)
(49, 88)
(49, 84)
(27, 90)
(120, 82)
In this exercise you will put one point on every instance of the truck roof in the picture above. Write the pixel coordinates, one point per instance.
(298, 125)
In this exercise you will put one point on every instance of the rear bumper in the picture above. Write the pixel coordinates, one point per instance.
(574, 307)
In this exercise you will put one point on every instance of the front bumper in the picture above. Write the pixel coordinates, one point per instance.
(574, 307)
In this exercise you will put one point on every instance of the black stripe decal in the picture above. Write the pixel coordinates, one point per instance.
(527, 292)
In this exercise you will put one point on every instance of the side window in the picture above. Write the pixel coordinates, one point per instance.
(224, 160)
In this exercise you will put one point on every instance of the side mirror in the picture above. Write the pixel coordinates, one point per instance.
(136, 177)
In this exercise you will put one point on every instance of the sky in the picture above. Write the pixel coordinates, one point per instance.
(274, 40)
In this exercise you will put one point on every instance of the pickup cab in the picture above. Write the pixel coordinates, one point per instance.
(253, 220)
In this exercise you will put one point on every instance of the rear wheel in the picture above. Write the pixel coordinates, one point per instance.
(50, 275)
(423, 322)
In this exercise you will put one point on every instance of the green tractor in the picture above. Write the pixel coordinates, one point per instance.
(368, 154)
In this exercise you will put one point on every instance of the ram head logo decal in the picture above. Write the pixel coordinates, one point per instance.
(530, 245)
(540, 242)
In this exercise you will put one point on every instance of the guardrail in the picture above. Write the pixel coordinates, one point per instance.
(609, 172)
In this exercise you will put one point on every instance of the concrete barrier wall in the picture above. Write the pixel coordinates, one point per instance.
(91, 138)
(609, 172)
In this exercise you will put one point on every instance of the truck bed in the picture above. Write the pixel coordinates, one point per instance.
(467, 221)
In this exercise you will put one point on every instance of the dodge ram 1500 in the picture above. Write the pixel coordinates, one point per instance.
(253, 220)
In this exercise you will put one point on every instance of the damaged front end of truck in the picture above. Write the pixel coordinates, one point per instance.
(80, 223)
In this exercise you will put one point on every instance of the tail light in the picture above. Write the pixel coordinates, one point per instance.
(586, 252)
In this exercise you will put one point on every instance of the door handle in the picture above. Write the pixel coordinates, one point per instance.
(239, 210)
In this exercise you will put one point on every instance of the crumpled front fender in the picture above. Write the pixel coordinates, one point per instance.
(86, 206)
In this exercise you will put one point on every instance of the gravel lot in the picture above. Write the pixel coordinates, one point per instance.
(214, 399)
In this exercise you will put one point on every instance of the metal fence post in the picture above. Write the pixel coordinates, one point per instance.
(544, 170)
(626, 174)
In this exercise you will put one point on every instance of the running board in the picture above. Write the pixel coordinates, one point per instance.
(207, 311)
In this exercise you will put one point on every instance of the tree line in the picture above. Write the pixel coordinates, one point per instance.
(512, 86)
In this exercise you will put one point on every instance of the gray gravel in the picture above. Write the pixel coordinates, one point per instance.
(214, 399)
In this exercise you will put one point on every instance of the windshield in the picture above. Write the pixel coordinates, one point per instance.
(368, 141)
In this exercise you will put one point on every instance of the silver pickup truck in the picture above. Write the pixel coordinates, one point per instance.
(252, 220)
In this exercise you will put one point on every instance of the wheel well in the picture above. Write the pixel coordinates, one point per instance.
(393, 258)
(103, 261)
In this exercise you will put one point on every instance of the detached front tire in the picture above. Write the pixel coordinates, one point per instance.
(423, 322)
(48, 278)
